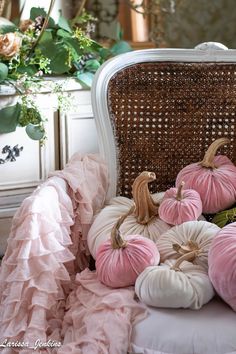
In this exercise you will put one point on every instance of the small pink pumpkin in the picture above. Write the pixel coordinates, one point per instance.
(222, 264)
(214, 178)
(119, 261)
(180, 205)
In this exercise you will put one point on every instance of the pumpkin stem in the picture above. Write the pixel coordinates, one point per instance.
(185, 248)
(211, 151)
(179, 195)
(188, 252)
(190, 256)
(117, 240)
(145, 208)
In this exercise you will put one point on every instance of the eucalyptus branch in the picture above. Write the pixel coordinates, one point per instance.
(12, 83)
(80, 9)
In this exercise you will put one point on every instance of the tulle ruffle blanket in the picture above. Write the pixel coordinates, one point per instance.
(50, 301)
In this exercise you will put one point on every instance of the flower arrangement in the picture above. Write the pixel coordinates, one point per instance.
(39, 46)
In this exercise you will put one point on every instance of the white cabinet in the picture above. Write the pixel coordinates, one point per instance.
(77, 128)
(67, 133)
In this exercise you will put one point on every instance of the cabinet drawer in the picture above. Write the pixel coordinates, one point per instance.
(27, 167)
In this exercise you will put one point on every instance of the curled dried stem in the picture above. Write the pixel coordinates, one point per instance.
(146, 208)
(208, 160)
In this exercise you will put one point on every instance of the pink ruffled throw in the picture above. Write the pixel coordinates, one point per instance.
(43, 308)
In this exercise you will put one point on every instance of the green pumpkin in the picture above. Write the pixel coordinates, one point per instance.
(225, 217)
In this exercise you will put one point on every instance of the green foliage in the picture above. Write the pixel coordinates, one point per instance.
(29, 115)
(37, 11)
(92, 65)
(9, 117)
(64, 34)
(8, 28)
(64, 24)
(120, 47)
(225, 217)
(85, 78)
(60, 60)
(35, 132)
(62, 48)
(3, 71)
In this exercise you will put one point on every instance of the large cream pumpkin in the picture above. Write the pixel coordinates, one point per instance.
(143, 221)
(191, 235)
(166, 286)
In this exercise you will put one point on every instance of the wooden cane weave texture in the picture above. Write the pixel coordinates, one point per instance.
(166, 114)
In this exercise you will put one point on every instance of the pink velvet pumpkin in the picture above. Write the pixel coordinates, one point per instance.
(222, 264)
(214, 178)
(119, 261)
(180, 205)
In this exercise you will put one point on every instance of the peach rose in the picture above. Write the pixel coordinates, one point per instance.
(9, 45)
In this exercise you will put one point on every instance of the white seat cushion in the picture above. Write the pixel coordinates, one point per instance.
(210, 330)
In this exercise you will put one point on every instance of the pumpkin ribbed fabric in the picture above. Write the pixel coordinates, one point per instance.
(222, 264)
(120, 267)
(162, 286)
(199, 233)
(214, 178)
(180, 205)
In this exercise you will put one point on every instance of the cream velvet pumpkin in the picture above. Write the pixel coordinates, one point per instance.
(143, 221)
(162, 286)
(191, 235)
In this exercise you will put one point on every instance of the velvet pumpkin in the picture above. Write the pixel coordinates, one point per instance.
(119, 261)
(222, 264)
(168, 286)
(214, 178)
(189, 236)
(143, 221)
(180, 205)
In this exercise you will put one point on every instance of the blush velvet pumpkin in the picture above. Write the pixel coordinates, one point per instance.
(120, 261)
(214, 178)
(222, 264)
(180, 205)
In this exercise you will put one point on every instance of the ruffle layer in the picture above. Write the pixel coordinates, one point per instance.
(28, 249)
(33, 267)
(35, 273)
(93, 309)
(88, 198)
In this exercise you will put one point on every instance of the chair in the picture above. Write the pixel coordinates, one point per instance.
(158, 110)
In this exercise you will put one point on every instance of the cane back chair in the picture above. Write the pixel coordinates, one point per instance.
(159, 110)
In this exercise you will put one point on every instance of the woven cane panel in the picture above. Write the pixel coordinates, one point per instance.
(165, 115)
